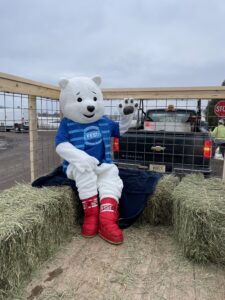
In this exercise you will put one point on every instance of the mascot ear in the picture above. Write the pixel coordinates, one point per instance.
(97, 79)
(63, 83)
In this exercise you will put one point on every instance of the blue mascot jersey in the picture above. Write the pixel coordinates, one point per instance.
(93, 138)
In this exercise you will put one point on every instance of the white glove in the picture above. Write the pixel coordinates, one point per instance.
(126, 111)
(86, 165)
(78, 158)
(128, 107)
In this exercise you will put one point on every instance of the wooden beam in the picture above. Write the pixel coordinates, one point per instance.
(216, 92)
(33, 137)
(19, 85)
(15, 84)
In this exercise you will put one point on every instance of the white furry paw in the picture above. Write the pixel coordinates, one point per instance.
(87, 165)
(128, 106)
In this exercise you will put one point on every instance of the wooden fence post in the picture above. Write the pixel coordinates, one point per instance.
(223, 176)
(33, 137)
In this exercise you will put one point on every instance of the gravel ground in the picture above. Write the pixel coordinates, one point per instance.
(15, 157)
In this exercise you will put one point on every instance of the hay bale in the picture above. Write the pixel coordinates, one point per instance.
(199, 218)
(159, 206)
(33, 222)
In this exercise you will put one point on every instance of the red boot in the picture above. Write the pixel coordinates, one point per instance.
(108, 217)
(91, 215)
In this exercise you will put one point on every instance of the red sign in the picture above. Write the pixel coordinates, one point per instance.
(219, 108)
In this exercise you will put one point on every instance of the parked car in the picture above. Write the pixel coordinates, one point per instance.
(166, 140)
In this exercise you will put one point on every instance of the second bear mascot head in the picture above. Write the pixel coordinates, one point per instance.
(81, 99)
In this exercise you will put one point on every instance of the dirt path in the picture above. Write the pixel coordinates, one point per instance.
(147, 266)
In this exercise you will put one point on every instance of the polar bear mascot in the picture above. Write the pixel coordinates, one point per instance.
(83, 140)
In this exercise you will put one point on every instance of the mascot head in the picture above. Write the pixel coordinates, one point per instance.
(81, 99)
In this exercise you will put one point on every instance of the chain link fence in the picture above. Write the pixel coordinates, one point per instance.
(16, 136)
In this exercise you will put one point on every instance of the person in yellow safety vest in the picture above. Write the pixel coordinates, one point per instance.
(218, 135)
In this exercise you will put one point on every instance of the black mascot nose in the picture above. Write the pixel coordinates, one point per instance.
(90, 108)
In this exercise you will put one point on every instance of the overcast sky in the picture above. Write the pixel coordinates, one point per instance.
(130, 43)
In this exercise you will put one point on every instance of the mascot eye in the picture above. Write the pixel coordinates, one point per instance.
(79, 99)
(95, 98)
